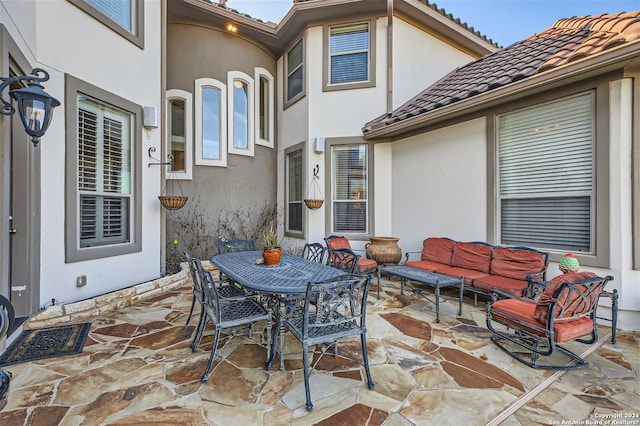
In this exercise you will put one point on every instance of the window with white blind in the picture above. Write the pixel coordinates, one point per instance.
(104, 173)
(125, 17)
(294, 65)
(264, 110)
(294, 181)
(211, 122)
(103, 211)
(241, 113)
(349, 188)
(349, 52)
(179, 134)
(547, 175)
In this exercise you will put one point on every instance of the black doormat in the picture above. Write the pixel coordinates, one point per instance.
(45, 343)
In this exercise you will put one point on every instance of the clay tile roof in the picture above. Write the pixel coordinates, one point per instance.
(568, 40)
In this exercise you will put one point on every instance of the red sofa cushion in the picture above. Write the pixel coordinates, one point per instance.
(468, 274)
(563, 331)
(438, 250)
(515, 264)
(426, 265)
(506, 284)
(472, 256)
(338, 243)
(541, 312)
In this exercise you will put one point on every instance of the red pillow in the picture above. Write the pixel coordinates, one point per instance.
(542, 312)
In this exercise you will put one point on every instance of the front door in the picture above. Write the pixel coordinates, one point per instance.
(23, 218)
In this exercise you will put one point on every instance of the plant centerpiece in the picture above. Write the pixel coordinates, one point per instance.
(271, 252)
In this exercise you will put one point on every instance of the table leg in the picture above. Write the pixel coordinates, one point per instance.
(461, 295)
(437, 303)
(278, 329)
(401, 285)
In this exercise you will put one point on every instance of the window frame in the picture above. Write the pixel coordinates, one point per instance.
(327, 86)
(232, 76)
(261, 73)
(200, 84)
(187, 97)
(302, 149)
(331, 143)
(73, 253)
(135, 36)
(303, 90)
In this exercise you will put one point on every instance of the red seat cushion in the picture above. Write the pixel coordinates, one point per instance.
(468, 274)
(564, 331)
(552, 286)
(426, 265)
(509, 285)
(516, 264)
(366, 265)
(439, 250)
(472, 256)
(338, 242)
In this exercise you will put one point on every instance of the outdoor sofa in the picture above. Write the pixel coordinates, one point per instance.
(484, 267)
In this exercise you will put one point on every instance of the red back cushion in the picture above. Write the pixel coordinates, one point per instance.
(472, 256)
(438, 250)
(338, 242)
(542, 312)
(515, 264)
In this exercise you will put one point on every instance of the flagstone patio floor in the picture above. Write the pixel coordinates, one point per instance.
(137, 369)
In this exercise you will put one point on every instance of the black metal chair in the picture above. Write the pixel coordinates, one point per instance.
(344, 259)
(228, 312)
(236, 245)
(338, 311)
(226, 288)
(566, 311)
(314, 252)
(365, 265)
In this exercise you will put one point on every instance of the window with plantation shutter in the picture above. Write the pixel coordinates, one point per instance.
(295, 190)
(350, 198)
(121, 11)
(104, 174)
(349, 52)
(546, 175)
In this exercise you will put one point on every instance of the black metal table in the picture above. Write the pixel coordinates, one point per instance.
(288, 278)
(431, 279)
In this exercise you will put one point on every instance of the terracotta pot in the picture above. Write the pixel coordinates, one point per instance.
(384, 250)
(272, 256)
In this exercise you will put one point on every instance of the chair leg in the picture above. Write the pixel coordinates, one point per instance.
(193, 302)
(202, 322)
(305, 363)
(365, 358)
(212, 357)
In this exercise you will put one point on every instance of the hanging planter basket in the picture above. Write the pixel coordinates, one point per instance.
(314, 198)
(173, 202)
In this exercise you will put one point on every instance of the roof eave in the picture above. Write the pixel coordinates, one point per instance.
(621, 57)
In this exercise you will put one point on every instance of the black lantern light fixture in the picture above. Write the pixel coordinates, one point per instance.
(35, 106)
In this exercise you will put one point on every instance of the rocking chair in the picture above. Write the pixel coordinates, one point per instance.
(566, 311)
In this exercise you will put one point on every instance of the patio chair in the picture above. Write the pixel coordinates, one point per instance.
(338, 311)
(226, 288)
(344, 259)
(228, 312)
(236, 245)
(365, 266)
(314, 252)
(566, 311)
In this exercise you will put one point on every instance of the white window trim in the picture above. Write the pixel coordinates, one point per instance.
(201, 83)
(263, 73)
(237, 75)
(188, 134)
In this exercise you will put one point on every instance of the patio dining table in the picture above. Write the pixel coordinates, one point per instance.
(289, 278)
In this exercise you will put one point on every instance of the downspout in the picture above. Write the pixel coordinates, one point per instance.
(389, 57)
(163, 144)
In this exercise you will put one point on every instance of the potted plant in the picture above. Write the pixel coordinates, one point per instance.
(271, 252)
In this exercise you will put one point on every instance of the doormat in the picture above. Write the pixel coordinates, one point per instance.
(44, 343)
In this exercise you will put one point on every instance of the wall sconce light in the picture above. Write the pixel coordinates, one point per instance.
(35, 106)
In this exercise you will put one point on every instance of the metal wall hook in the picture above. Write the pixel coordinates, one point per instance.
(158, 162)
(316, 170)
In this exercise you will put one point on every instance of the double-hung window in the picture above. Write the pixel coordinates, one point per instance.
(294, 61)
(349, 54)
(125, 17)
(547, 175)
(294, 189)
(350, 188)
(103, 205)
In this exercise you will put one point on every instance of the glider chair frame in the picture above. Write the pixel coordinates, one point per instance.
(315, 252)
(365, 265)
(538, 326)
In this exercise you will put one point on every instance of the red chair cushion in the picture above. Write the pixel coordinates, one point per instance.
(366, 265)
(472, 256)
(515, 264)
(338, 242)
(542, 312)
(509, 285)
(564, 331)
(438, 250)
